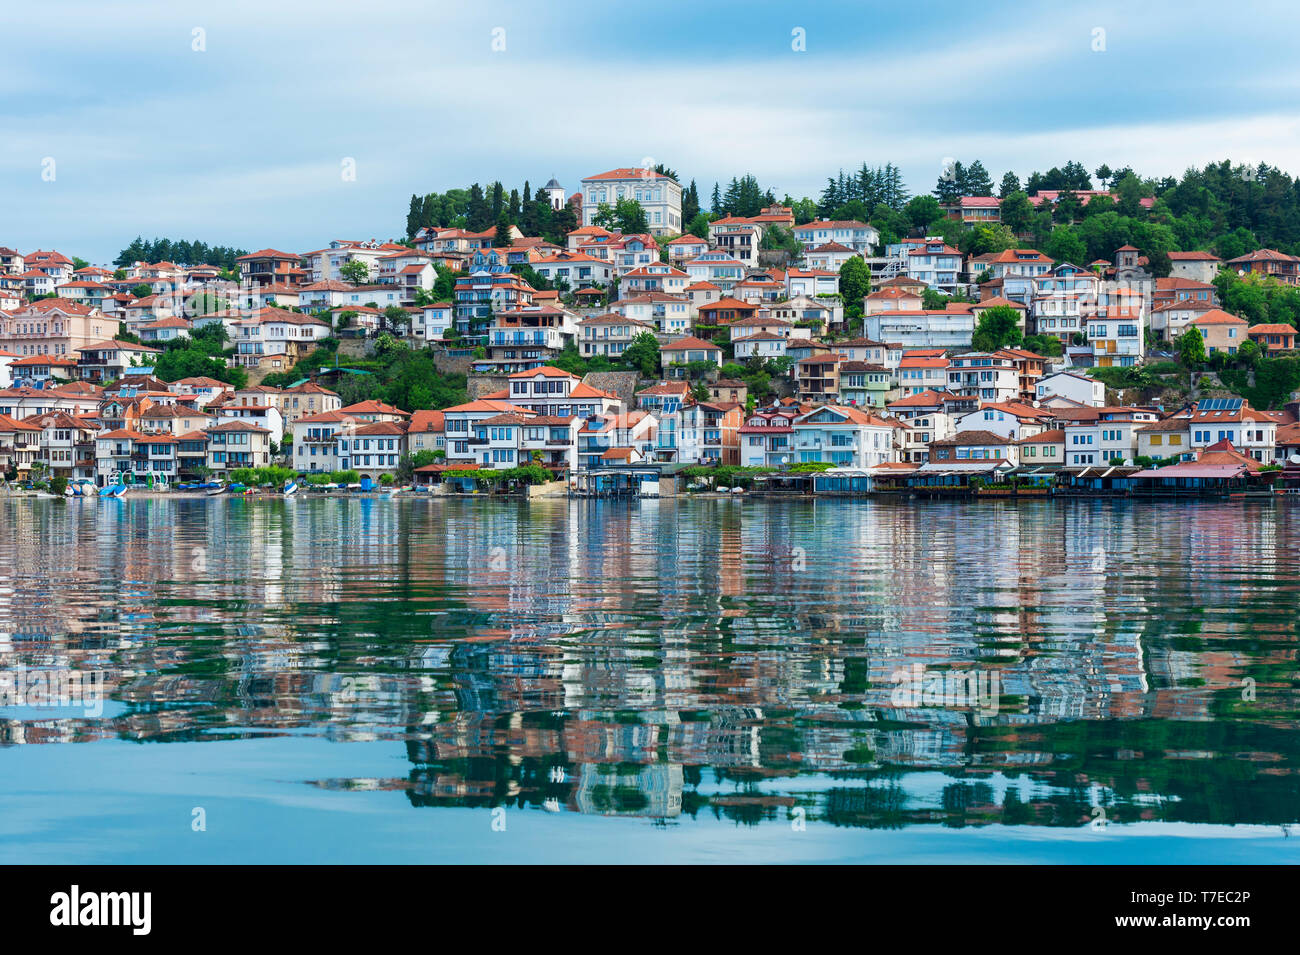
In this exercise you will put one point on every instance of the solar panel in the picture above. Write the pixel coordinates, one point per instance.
(1219, 404)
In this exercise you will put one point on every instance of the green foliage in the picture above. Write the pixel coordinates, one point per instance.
(256, 477)
(179, 251)
(143, 290)
(998, 327)
(626, 216)
(643, 355)
(355, 271)
(1049, 346)
(525, 474)
(58, 485)
(1191, 348)
(855, 278)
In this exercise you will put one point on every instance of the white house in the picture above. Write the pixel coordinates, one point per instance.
(1076, 387)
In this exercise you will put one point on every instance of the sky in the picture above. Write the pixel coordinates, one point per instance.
(236, 123)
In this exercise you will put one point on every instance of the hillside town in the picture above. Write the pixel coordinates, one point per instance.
(768, 354)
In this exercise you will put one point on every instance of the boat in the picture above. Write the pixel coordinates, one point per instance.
(291, 489)
(212, 491)
(113, 490)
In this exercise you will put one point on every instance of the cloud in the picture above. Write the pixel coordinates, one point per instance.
(242, 142)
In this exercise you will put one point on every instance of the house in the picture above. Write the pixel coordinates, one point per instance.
(1252, 432)
(844, 437)
(570, 271)
(1044, 449)
(326, 264)
(858, 236)
(709, 432)
(817, 377)
(237, 444)
(1285, 268)
(609, 334)
(555, 393)
(975, 445)
(806, 313)
(674, 356)
(1174, 289)
(164, 329)
(20, 443)
(616, 436)
(1023, 262)
(686, 247)
(1076, 387)
(864, 384)
(668, 314)
(1221, 331)
(738, 236)
(811, 283)
(1011, 419)
(1197, 266)
(659, 196)
(663, 399)
(1167, 438)
(1171, 317)
(921, 329)
(426, 432)
(330, 295)
(989, 376)
(276, 339)
(760, 345)
(891, 300)
(54, 326)
(315, 443)
(271, 267)
(511, 440)
(715, 267)
(1105, 435)
(373, 449)
(527, 337)
(829, 256)
(1273, 336)
(922, 372)
(39, 370)
(767, 438)
(936, 264)
(1116, 331)
(725, 311)
(654, 277)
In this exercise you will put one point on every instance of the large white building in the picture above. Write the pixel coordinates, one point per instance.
(659, 196)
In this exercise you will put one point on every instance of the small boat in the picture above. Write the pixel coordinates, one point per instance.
(212, 491)
(291, 489)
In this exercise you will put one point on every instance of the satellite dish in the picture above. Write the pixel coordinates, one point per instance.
(1294, 459)
(1128, 462)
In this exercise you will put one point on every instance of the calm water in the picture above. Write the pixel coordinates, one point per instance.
(696, 680)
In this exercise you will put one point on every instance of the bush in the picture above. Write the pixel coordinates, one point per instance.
(386, 480)
(58, 485)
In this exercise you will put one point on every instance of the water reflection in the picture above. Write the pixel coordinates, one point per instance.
(674, 658)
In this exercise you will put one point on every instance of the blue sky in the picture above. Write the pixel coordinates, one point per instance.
(242, 143)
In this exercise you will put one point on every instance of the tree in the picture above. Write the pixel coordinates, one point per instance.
(143, 290)
(855, 280)
(643, 354)
(923, 210)
(948, 188)
(626, 216)
(1191, 348)
(1010, 183)
(998, 327)
(1064, 245)
(1103, 174)
(690, 202)
(501, 239)
(1017, 211)
(976, 180)
(355, 271)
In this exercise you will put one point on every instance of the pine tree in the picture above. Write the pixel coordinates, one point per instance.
(715, 203)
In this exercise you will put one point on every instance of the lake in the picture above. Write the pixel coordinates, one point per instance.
(365, 680)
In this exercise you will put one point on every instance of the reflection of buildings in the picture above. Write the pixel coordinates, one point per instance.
(642, 647)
